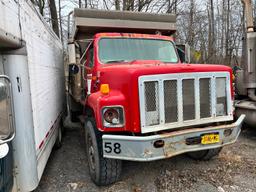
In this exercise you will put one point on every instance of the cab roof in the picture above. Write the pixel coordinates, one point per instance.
(134, 35)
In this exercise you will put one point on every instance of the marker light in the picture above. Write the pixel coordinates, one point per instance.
(104, 89)
(233, 77)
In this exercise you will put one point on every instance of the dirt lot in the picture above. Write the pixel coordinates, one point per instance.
(233, 171)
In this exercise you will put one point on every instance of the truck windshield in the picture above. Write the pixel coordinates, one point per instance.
(112, 50)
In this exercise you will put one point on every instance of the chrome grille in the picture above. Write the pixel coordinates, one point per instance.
(178, 100)
(188, 92)
(170, 100)
(205, 97)
(152, 104)
(221, 105)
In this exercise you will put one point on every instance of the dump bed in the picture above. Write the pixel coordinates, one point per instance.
(88, 22)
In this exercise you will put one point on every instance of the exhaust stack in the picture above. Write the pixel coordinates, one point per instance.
(248, 15)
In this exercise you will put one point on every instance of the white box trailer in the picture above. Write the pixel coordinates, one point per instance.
(31, 58)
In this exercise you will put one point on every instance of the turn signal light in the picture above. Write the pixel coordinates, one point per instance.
(233, 77)
(104, 89)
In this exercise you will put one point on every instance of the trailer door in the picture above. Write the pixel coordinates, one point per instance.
(24, 151)
(6, 132)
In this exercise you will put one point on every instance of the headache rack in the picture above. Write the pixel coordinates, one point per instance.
(88, 22)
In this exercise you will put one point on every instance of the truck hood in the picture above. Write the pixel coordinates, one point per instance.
(124, 80)
(124, 72)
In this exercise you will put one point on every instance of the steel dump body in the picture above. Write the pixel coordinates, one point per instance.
(89, 22)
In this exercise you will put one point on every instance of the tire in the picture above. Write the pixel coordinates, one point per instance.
(63, 125)
(205, 154)
(103, 171)
(58, 142)
(74, 116)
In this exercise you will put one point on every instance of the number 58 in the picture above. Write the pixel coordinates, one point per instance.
(109, 147)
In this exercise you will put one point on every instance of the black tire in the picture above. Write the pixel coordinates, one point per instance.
(73, 116)
(103, 171)
(58, 142)
(205, 154)
(63, 125)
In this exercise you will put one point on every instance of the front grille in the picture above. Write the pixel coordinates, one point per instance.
(205, 97)
(152, 104)
(188, 92)
(170, 100)
(178, 100)
(221, 105)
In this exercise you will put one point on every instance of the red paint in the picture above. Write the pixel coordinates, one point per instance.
(41, 144)
(123, 82)
(48, 133)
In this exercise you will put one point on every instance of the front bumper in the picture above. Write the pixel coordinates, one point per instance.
(141, 148)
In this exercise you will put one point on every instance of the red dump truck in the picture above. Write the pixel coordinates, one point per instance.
(137, 99)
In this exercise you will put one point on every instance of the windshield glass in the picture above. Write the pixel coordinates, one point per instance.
(113, 50)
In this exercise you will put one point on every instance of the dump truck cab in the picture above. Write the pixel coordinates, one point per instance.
(136, 98)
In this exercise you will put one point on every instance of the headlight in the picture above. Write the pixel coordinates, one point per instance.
(113, 116)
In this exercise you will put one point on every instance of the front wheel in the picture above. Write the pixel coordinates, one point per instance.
(58, 142)
(103, 171)
(205, 154)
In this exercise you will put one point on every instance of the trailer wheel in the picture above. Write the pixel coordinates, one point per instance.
(103, 171)
(205, 154)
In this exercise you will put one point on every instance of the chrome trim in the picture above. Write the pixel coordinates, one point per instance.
(141, 148)
(11, 112)
(197, 98)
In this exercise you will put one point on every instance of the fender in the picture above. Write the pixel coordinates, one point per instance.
(97, 101)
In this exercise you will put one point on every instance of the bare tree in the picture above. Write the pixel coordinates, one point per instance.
(54, 17)
(40, 4)
(191, 23)
(117, 4)
(211, 37)
(227, 29)
(60, 22)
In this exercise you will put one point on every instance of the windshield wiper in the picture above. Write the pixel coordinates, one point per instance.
(117, 61)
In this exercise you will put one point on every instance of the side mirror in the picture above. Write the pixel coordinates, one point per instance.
(73, 69)
(184, 53)
(7, 127)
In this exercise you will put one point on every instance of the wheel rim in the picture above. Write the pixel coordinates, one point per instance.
(91, 153)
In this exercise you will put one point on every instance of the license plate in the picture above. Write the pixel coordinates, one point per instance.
(210, 139)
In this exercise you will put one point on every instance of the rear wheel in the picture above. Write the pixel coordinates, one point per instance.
(205, 154)
(103, 171)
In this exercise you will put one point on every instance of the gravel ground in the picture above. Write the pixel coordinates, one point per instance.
(234, 170)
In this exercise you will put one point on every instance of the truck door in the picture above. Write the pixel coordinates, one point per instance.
(7, 133)
(89, 69)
